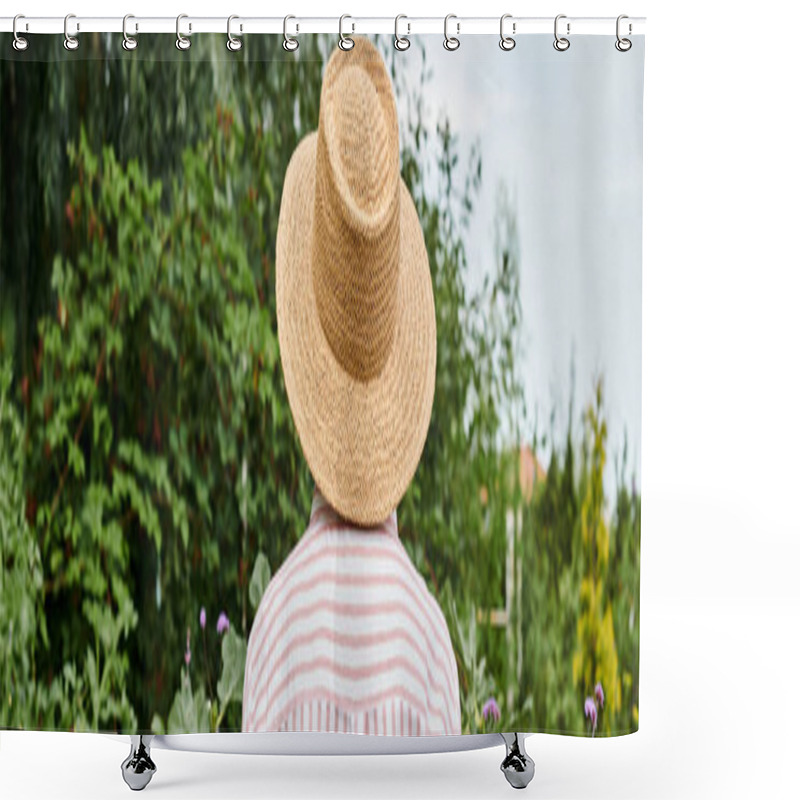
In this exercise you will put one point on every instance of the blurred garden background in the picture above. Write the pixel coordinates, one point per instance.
(150, 477)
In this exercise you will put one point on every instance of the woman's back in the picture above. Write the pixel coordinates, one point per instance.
(348, 638)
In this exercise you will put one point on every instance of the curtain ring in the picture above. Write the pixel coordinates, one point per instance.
(561, 43)
(128, 42)
(234, 43)
(451, 43)
(182, 42)
(401, 43)
(623, 45)
(345, 42)
(290, 43)
(70, 42)
(20, 43)
(507, 42)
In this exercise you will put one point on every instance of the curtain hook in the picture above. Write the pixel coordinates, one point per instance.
(128, 42)
(20, 43)
(345, 42)
(507, 42)
(561, 43)
(234, 43)
(182, 42)
(70, 42)
(290, 43)
(451, 43)
(401, 43)
(623, 45)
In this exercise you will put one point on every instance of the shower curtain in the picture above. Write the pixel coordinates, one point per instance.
(320, 385)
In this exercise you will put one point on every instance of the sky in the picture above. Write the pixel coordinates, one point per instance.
(563, 131)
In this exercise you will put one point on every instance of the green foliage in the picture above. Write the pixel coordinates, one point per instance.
(581, 591)
(155, 386)
(150, 465)
(159, 384)
(258, 581)
(85, 700)
(479, 686)
(595, 660)
(190, 711)
(623, 589)
(231, 683)
(550, 593)
(193, 710)
(20, 572)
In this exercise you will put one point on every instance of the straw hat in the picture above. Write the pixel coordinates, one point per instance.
(356, 319)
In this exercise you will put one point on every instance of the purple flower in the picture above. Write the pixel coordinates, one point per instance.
(223, 623)
(490, 708)
(590, 712)
(187, 656)
(203, 617)
(598, 693)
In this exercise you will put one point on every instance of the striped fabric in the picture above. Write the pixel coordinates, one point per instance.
(347, 638)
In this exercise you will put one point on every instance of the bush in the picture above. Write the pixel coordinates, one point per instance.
(21, 574)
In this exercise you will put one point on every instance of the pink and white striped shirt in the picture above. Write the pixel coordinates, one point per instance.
(347, 638)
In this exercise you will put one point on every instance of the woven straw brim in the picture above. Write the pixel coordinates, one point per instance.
(362, 440)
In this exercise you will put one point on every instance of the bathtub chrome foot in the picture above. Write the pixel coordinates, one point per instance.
(517, 766)
(138, 768)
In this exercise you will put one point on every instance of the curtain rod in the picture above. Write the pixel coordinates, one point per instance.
(460, 26)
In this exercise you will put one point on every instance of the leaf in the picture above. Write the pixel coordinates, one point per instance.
(230, 686)
(261, 576)
(189, 711)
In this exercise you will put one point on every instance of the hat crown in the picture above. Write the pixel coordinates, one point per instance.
(356, 228)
